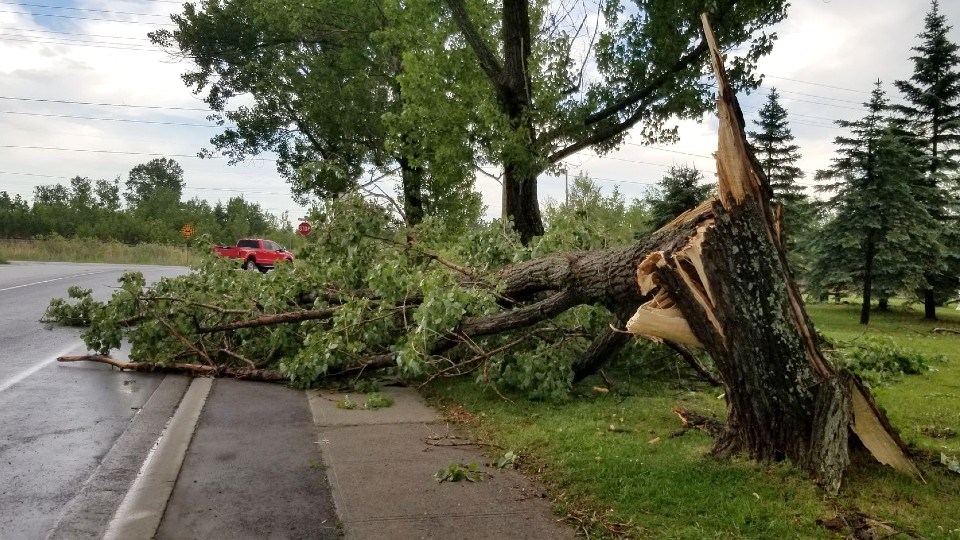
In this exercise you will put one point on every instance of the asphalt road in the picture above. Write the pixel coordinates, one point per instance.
(57, 421)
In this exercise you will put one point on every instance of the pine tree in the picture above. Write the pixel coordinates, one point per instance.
(678, 191)
(932, 112)
(881, 234)
(773, 146)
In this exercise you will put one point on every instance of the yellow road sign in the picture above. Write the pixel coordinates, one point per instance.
(187, 231)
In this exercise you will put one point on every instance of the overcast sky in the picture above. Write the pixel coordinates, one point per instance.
(82, 92)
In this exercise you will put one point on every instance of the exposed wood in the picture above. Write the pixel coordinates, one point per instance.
(875, 432)
(728, 289)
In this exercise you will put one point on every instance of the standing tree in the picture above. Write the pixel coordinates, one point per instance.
(325, 78)
(774, 148)
(650, 58)
(933, 113)
(881, 233)
(160, 177)
(678, 191)
(342, 89)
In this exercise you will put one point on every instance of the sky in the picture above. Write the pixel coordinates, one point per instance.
(83, 92)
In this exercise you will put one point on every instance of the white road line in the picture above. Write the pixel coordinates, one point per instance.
(54, 279)
(35, 368)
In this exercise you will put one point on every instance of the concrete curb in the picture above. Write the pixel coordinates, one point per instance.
(142, 508)
(89, 513)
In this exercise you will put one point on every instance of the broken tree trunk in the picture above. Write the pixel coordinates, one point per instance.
(728, 290)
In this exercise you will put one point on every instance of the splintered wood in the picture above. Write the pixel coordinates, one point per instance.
(743, 191)
(659, 319)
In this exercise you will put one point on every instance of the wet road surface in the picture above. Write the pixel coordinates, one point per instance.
(57, 421)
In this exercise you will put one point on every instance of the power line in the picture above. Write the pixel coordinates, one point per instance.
(156, 122)
(74, 17)
(121, 152)
(75, 43)
(37, 30)
(660, 148)
(68, 102)
(817, 84)
(95, 151)
(192, 188)
(90, 10)
(818, 96)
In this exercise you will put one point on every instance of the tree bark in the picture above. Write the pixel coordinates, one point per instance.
(412, 178)
(513, 87)
(728, 289)
(868, 255)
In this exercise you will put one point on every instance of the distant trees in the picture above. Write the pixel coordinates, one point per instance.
(154, 213)
(932, 113)
(678, 191)
(880, 232)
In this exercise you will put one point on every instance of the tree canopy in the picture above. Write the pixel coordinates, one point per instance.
(881, 235)
(438, 92)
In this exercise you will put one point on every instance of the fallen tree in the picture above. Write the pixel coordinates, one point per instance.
(715, 278)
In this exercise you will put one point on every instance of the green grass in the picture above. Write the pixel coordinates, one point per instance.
(610, 459)
(88, 250)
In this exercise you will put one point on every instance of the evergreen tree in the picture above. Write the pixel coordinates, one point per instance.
(932, 112)
(881, 233)
(773, 146)
(677, 192)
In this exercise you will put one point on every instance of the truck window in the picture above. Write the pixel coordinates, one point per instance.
(248, 244)
(270, 245)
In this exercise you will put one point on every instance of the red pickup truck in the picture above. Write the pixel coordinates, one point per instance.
(255, 253)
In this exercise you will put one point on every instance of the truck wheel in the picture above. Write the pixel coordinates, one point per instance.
(250, 265)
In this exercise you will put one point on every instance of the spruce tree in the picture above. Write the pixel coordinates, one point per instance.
(777, 154)
(678, 191)
(881, 234)
(932, 112)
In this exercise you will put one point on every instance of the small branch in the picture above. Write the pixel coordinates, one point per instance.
(186, 341)
(691, 420)
(946, 331)
(240, 357)
(694, 362)
(197, 370)
(278, 318)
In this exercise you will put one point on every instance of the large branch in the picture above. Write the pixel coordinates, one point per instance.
(489, 62)
(641, 99)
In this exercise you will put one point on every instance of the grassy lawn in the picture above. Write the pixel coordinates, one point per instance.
(611, 462)
(96, 251)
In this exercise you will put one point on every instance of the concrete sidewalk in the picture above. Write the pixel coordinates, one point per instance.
(260, 460)
(381, 466)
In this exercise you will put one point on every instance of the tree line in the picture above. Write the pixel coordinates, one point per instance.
(150, 209)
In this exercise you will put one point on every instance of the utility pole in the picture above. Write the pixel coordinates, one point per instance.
(566, 187)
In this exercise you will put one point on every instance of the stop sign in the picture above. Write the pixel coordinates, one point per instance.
(304, 228)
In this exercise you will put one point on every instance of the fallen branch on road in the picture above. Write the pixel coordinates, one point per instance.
(196, 370)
